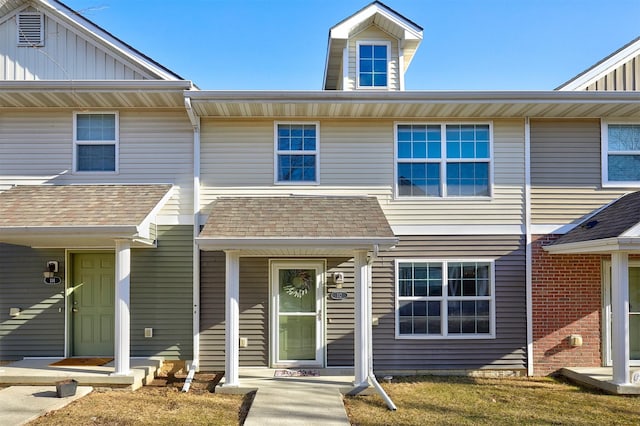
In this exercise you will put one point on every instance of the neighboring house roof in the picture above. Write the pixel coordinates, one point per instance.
(341, 222)
(415, 104)
(92, 30)
(377, 13)
(40, 215)
(610, 228)
(606, 66)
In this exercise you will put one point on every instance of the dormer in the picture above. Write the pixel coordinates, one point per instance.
(371, 50)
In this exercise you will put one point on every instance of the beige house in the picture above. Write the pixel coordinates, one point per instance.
(361, 226)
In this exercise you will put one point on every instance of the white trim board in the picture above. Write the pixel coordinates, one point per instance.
(458, 229)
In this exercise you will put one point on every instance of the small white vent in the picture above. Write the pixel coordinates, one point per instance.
(30, 29)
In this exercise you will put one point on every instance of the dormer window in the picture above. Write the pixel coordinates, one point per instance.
(373, 65)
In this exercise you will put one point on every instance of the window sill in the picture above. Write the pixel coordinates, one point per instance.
(456, 337)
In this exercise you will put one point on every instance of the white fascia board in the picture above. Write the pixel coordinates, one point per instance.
(296, 243)
(458, 229)
(453, 97)
(603, 68)
(72, 236)
(95, 85)
(63, 12)
(143, 228)
(343, 29)
(632, 232)
(603, 246)
(538, 229)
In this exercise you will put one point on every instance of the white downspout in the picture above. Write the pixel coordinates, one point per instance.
(195, 122)
(372, 376)
(528, 244)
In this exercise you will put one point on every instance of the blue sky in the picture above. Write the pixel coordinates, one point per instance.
(281, 44)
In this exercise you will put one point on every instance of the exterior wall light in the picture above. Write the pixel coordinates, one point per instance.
(50, 273)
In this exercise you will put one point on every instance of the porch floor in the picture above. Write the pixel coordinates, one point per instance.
(39, 371)
(601, 378)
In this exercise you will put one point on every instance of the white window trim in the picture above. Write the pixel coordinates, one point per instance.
(373, 43)
(442, 161)
(115, 142)
(277, 152)
(444, 298)
(604, 155)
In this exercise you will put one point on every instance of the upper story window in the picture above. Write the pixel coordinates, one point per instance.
(296, 153)
(95, 142)
(373, 64)
(448, 298)
(443, 160)
(621, 154)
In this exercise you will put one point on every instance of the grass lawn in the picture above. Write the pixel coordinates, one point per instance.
(472, 401)
(161, 404)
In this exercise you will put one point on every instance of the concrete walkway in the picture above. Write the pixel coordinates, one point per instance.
(21, 404)
(298, 401)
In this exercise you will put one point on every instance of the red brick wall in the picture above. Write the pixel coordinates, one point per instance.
(566, 295)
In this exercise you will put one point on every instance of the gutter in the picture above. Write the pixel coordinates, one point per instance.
(372, 376)
(195, 122)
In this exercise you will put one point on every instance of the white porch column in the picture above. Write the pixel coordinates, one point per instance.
(122, 320)
(620, 316)
(361, 344)
(232, 319)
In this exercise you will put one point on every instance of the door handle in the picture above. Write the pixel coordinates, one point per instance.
(74, 309)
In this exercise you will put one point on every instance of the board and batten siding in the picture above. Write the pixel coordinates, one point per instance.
(357, 158)
(506, 351)
(67, 54)
(154, 147)
(566, 171)
(625, 77)
(162, 295)
(38, 331)
(255, 314)
(374, 34)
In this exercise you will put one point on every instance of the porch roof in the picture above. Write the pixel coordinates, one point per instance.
(614, 227)
(79, 215)
(301, 225)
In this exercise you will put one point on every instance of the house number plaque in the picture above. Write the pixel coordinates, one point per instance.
(338, 295)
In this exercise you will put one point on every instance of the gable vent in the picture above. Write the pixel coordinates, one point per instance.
(30, 29)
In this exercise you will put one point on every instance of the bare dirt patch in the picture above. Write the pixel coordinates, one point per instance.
(160, 403)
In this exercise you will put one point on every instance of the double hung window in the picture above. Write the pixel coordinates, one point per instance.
(296, 153)
(621, 154)
(443, 160)
(95, 142)
(444, 299)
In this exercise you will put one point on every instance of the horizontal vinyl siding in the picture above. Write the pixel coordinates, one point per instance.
(66, 55)
(565, 171)
(162, 295)
(155, 147)
(374, 34)
(254, 311)
(39, 329)
(357, 158)
(624, 77)
(506, 351)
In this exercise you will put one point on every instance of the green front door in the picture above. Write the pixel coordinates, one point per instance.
(92, 304)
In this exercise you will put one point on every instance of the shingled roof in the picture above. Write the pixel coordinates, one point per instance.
(305, 219)
(78, 205)
(32, 214)
(614, 224)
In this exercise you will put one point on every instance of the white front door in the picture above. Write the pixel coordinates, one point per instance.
(297, 334)
(634, 313)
